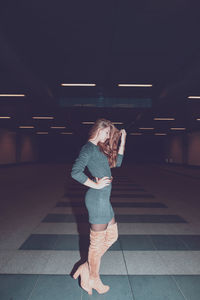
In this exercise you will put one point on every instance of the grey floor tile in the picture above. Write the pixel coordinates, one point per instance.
(71, 242)
(62, 242)
(153, 228)
(132, 242)
(191, 241)
(189, 285)
(168, 242)
(39, 242)
(149, 219)
(136, 242)
(56, 287)
(153, 287)
(61, 228)
(16, 287)
(64, 218)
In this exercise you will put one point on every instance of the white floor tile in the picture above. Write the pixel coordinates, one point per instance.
(26, 262)
(181, 262)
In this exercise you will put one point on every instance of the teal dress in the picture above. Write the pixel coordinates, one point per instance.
(97, 201)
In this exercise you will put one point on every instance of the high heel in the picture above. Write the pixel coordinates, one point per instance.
(83, 271)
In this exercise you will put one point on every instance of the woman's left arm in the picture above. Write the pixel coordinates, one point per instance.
(121, 148)
(123, 141)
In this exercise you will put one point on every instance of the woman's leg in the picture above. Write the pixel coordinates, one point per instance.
(101, 227)
(97, 240)
(111, 235)
(98, 227)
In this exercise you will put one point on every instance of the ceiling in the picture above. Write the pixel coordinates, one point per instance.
(46, 43)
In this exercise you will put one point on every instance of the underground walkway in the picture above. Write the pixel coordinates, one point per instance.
(44, 233)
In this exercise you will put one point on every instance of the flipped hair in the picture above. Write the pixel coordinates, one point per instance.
(110, 146)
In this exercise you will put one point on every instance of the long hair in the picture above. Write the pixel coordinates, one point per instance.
(110, 146)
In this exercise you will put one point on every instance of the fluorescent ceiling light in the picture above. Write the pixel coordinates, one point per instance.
(164, 119)
(5, 117)
(12, 95)
(136, 133)
(146, 128)
(194, 97)
(42, 118)
(26, 127)
(58, 127)
(134, 85)
(177, 128)
(42, 132)
(78, 84)
(66, 132)
(160, 133)
(117, 122)
(85, 122)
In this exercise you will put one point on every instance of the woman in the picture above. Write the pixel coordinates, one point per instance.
(99, 154)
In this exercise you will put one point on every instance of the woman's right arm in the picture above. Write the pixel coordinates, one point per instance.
(90, 183)
(79, 166)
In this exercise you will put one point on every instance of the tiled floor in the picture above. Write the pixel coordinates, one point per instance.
(44, 234)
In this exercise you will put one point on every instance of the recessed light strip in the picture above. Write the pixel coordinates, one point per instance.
(58, 127)
(134, 85)
(12, 95)
(78, 84)
(146, 128)
(194, 97)
(164, 119)
(136, 133)
(66, 132)
(177, 128)
(42, 132)
(45, 118)
(26, 127)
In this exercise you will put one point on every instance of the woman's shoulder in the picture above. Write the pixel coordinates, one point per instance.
(88, 147)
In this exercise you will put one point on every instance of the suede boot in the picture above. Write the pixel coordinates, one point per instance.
(97, 240)
(111, 237)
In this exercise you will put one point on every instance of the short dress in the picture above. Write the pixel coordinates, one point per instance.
(97, 201)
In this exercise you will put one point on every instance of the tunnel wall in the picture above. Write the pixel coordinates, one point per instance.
(194, 148)
(17, 148)
(183, 149)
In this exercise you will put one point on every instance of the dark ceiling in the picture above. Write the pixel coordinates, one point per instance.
(46, 43)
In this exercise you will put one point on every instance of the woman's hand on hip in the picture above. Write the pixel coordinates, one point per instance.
(102, 182)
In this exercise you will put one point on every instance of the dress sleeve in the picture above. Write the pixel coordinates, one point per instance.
(119, 160)
(80, 164)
